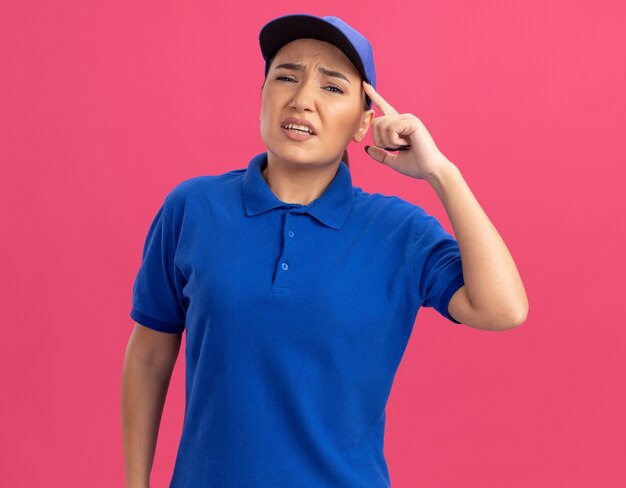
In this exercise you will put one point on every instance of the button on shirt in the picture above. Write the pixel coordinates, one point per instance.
(296, 319)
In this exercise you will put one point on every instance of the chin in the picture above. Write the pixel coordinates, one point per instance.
(290, 152)
(296, 158)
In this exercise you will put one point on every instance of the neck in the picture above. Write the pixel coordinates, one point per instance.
(298, 184)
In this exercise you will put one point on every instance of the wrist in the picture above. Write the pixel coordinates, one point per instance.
(137, 482)
(444, 171)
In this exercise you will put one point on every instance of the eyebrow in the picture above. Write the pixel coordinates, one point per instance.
(301, 67)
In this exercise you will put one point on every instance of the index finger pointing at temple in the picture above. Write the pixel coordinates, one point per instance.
(380, 102)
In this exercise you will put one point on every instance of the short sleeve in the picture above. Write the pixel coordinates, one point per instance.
(157, 299)
(436, 260)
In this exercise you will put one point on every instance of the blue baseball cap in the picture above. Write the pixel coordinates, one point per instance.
(282, 30)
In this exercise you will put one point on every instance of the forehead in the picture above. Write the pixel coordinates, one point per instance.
(322, 52)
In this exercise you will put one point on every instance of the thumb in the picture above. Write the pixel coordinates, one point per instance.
(379, 154)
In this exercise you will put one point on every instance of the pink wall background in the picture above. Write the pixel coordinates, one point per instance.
(105, 106)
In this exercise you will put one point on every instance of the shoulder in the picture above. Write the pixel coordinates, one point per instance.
(198, 191)
(399, 211)
(202, 186)
(390, 208)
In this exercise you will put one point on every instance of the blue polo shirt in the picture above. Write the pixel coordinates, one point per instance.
(297, 317)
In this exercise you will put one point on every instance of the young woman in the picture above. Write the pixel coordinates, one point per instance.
(297, 290)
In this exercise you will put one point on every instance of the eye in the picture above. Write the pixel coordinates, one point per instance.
(339, 90)
(336, 89)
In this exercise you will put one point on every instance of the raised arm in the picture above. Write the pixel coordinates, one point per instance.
(493, 296)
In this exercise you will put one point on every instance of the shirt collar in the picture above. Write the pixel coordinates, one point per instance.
(331, 208)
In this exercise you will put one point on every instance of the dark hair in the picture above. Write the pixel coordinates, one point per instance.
(367, 104)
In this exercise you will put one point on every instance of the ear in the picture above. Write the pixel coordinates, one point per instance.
(366, 121)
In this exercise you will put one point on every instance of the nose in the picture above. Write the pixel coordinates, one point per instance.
(304, 96)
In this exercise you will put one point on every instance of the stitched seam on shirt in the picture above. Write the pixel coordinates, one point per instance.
(412, 254)
(141, 310)
(170, 233)
(165, 206)
(171, 228)
(444, 300)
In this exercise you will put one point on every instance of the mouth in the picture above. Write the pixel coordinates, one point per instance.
(298, 126)
(297, 134)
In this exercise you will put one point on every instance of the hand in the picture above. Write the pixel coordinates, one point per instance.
(391, 130)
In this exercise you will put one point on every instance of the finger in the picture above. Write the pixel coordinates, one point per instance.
(386, 132)
(378, 133)
(384, 106)
(380, 155)
(392, 134)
